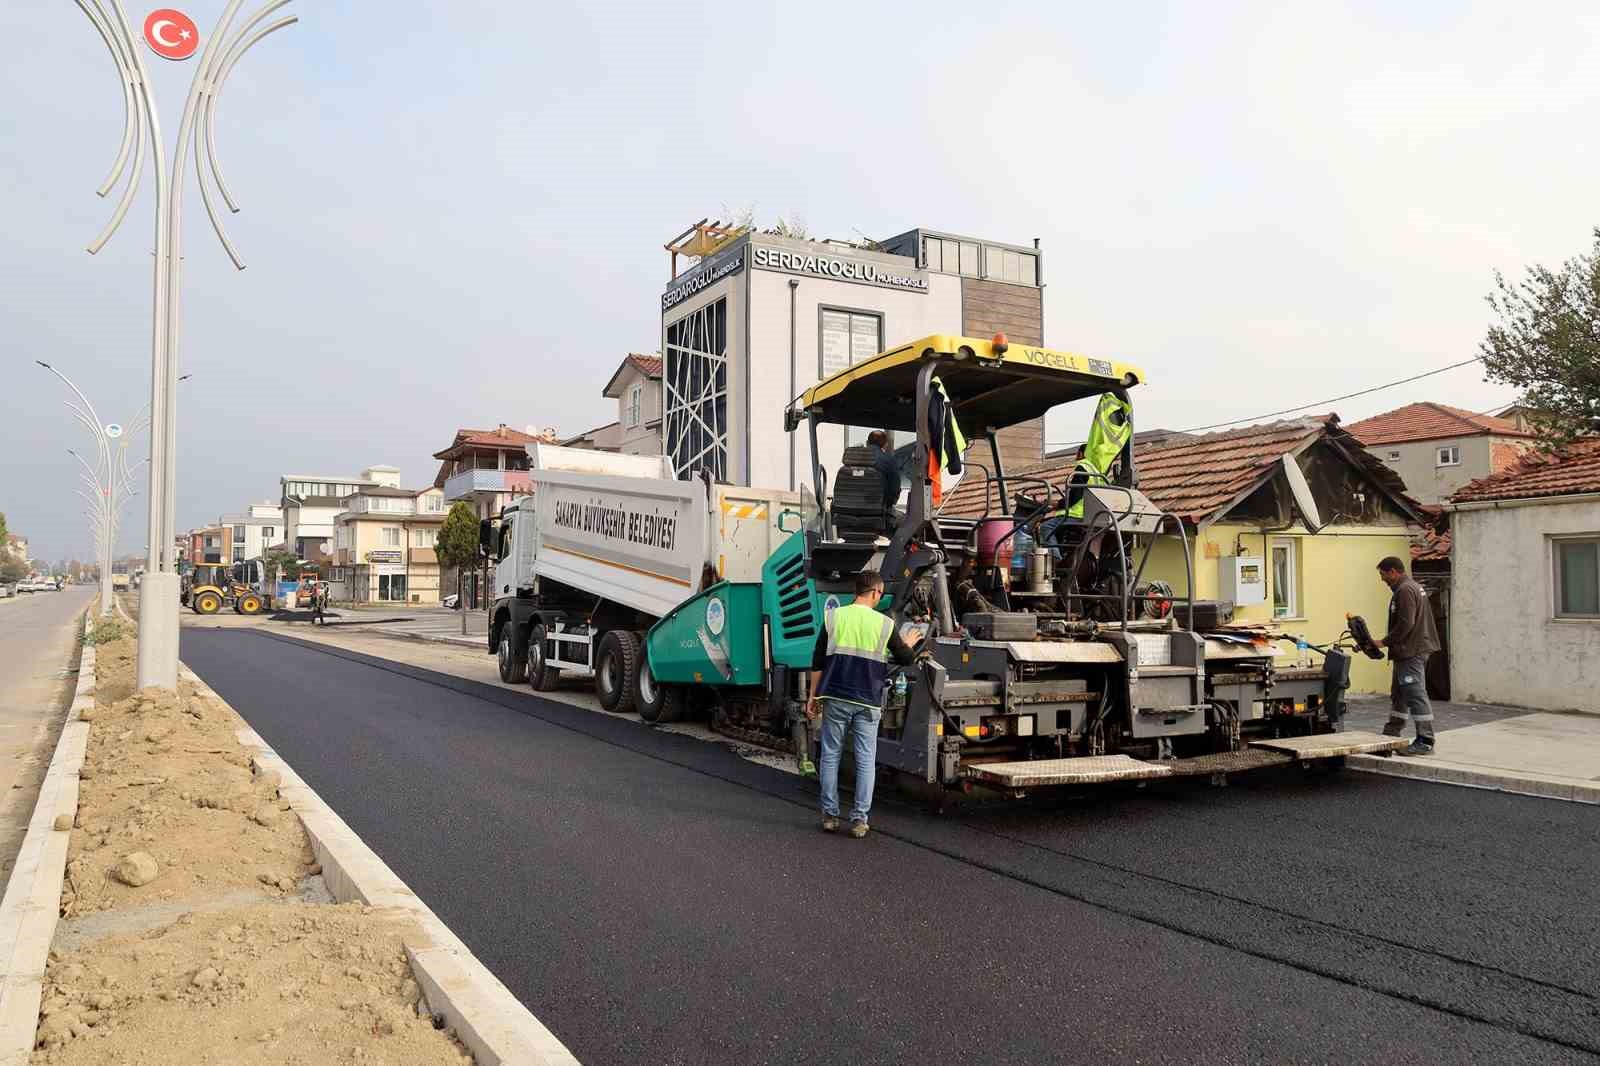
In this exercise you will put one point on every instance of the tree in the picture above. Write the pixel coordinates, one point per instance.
(11, 568)
(2, 531)
(285, 562)
(457, 545)
(1547, 344)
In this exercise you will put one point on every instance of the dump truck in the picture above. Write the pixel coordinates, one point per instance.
(606, 545)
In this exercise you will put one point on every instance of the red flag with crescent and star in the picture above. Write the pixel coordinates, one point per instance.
(171, 34)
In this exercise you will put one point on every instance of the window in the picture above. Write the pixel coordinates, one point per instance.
(848, 337)
(392, 587)
(433, 504)
(1577, 578)
(695, 377)
(1394, 456)
(950, 257)
(1449, 456)
(635, 402)
(238, 555)
(268, 533)
(422, 538)
(1004, 264)
(238, 534)
(391, 536)
(1285, 587)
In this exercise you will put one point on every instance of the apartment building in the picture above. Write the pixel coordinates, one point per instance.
(383, 546)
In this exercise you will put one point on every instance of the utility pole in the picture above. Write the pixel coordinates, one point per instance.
(171, 35)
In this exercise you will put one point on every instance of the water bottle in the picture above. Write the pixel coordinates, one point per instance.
(1302, 656)
(1021, 548)
(900, 688)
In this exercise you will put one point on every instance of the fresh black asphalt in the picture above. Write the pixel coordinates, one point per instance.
(654, 898)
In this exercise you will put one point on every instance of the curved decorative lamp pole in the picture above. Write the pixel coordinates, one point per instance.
(141, 134)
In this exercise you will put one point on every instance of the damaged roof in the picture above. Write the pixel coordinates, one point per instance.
(1200, 478)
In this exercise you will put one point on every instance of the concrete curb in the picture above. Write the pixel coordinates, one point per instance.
(1431, 768)
(485, 1016)
(32, 903)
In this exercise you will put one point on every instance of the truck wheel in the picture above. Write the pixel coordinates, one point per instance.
(666, 703)
(541, 675)
(651, 695)
(513, 661)
(250, 605)
(616, 671)
(207, 603)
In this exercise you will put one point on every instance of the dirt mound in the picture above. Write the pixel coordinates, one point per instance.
(188, 937)
(273, 983)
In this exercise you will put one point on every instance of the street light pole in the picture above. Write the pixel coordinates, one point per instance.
(109, 479)
(158, 599)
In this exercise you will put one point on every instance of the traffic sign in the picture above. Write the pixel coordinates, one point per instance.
(171, 34)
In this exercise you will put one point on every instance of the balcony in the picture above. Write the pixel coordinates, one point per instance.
(468, 483)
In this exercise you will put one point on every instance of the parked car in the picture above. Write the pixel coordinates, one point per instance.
(7, 590)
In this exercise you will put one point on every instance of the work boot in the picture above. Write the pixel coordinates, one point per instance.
(1416, 747)
(830, 824)
(858, 829)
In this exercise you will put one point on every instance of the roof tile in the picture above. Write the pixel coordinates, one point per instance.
(1191, 478)
(1570, 471)
(1429, 421)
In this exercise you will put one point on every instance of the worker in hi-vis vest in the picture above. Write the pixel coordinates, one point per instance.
(849, 671)
(1108, 435)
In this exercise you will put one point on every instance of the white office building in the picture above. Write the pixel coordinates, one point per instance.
(762, 317)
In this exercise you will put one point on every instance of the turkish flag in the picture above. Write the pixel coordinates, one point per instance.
(171, 34)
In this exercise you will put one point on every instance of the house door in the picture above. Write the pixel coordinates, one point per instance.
(1438, 670)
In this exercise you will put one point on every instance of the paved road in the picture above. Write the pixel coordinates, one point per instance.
(654, 898)
(38, 633)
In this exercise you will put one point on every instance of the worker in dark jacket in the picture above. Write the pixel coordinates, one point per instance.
(888, 472)
(849, 671)
(1410, 640)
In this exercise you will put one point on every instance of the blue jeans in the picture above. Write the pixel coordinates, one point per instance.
(861, 723)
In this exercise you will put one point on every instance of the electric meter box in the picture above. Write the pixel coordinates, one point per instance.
(1242, 579)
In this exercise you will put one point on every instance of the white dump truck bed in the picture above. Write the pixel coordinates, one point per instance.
(622, 528)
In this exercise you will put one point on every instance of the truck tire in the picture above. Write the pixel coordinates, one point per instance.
(207, 603)
(616, 671)
(651, 697)
(249, 603)
(541, 675)
(659, 704)
(511, 658)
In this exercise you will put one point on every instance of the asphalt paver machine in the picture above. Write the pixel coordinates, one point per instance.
(1053, 660)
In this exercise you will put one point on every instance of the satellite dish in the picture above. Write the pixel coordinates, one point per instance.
(1301, 493)
(114, 430)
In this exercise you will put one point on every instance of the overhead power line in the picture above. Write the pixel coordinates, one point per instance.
(1334, 399)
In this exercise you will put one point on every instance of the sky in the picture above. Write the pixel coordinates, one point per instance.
(453, 213)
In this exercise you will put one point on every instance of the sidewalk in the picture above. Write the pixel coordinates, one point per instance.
(434, 625)
(1508, 749)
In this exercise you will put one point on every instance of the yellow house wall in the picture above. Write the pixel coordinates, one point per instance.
(1337, 571)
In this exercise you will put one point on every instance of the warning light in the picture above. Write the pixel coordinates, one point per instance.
(999, 343)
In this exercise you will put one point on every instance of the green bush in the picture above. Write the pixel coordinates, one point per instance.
(105, 630)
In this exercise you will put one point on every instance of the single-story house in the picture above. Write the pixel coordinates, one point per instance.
(1248, 542)
(1525, 606)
